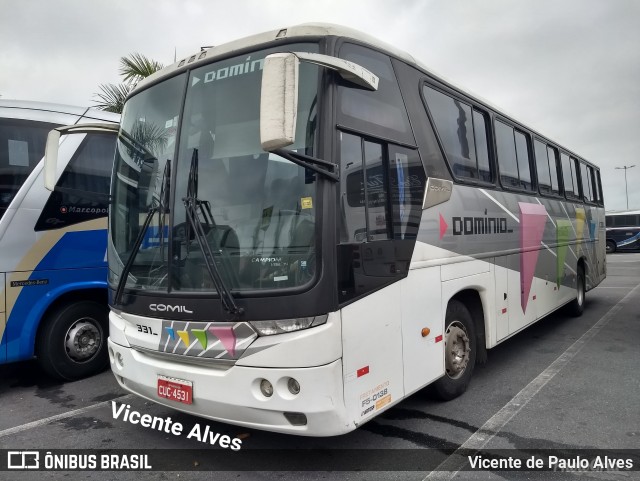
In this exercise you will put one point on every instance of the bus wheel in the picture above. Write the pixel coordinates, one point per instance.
(576, 307)
(611, 247)
(459, 352)
(72, 342)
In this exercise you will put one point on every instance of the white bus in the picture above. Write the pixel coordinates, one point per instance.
(308, 226)
(53, 270)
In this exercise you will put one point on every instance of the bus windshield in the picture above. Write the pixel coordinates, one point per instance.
(22, 145)
(257, 210)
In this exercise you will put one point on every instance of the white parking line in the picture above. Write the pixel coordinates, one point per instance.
(68, 414)
(478, 440)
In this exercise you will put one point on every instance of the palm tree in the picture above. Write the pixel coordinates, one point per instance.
(133, 68)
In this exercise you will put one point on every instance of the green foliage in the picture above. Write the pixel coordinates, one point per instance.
(133, 68)
(112, 96)
(136, 66)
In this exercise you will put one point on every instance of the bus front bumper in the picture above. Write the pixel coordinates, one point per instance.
(232, 395)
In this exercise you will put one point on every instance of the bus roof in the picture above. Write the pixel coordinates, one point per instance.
(60, 108)
(311, 30)
(314, 31)
(623, 212)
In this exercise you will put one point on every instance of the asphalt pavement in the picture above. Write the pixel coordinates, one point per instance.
(561, 385)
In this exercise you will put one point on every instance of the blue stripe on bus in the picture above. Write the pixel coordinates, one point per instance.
(628, 241)
(76, 261)
(592, 229)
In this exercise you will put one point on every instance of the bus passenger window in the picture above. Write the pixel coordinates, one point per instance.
(567, 175)
(454, 125)
(587, 189)
(522, 150)
(542, 167)
(574, 174)
(507, 156)
(552, 153)
(482, 147)
(592, 185)
(599, 185)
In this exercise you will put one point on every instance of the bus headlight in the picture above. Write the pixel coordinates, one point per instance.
(266, 388)
(269, 328)
(294, 386)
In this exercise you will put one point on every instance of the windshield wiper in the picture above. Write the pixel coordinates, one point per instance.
(191, 205)
(324, 167)
(160, 206)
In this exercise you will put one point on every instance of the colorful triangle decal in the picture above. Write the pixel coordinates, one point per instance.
(443, 227)
(201, 335)
(227, 337)
(580, 221)
(184, 335)
(533, 218)
(172, 333)
(592, 229)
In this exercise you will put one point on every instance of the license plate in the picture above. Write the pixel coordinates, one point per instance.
(175, 389)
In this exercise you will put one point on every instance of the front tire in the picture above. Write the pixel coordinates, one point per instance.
(459, 352)
(72, 342)
(611, 247)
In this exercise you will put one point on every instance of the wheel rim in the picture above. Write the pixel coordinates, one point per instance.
(83, 340)
(457, 350)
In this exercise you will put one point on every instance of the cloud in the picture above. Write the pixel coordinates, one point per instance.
(568, 69)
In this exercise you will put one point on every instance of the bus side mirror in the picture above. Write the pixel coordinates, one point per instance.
(279, 101)
(279, 92)
(53, 142)
(51, 160)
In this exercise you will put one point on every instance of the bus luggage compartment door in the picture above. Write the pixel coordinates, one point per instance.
(502, 298)
(422, 328)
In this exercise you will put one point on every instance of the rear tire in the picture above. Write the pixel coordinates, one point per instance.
(611, 247)
(576, 307)
(459, 352)
(72, 342)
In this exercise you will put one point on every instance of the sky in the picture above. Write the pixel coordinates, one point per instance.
(569, 69)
